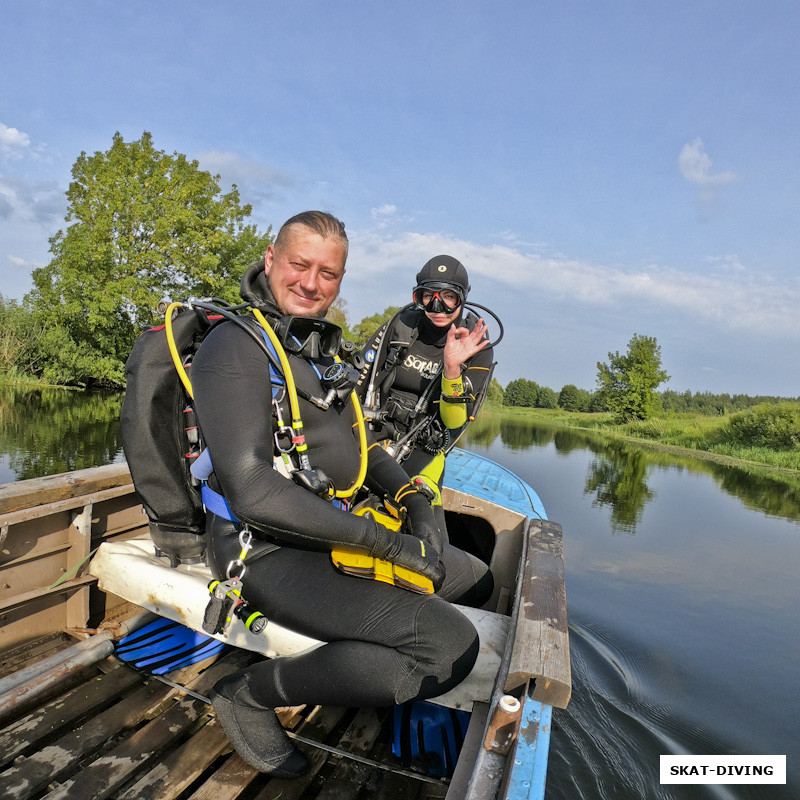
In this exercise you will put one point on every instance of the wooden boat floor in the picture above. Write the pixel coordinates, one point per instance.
(112, 731)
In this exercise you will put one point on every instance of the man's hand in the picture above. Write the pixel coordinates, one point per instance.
(421, 522)
(416, 555)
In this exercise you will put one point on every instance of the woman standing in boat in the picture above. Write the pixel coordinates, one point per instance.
(429, 368)
(385, 645)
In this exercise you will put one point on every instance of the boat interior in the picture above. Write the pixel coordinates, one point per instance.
(78, 573)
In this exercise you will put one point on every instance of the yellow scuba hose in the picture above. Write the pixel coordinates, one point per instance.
(291, 389)
(297, 423)
(173, 350)
(363, 449)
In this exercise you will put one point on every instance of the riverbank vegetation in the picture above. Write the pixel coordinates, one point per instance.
(767, 434)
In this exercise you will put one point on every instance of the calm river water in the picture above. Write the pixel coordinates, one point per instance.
(682, 592)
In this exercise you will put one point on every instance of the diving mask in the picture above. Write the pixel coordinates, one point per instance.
(438, 298)
(310, 337)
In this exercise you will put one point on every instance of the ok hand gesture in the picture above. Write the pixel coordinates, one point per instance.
(461, 345)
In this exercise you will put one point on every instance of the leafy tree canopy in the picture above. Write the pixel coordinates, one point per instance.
(368, 325)
(521, 392)
(627, 382)
(141, 225)
(546, 398)
(494, 394)
(571, 398)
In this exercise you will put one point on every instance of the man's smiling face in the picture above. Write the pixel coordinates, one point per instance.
(305, 273)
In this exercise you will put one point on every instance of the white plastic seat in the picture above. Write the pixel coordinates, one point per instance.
(131, 570)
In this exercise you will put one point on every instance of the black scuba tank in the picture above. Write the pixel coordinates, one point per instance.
(160, 436)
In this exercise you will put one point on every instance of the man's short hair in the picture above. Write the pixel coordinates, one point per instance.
(326, 225)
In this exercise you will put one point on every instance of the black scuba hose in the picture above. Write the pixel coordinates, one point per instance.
(253, 334)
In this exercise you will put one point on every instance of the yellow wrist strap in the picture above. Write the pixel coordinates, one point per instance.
(452, 388)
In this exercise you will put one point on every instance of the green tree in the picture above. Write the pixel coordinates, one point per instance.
(568, 398)
(546, 398)
(597, 403)
(571, 398)
(17, 333)
(521, 392)
(494, 394)
(367, 327)
(141, 225)
(627, 382)
(337, 314)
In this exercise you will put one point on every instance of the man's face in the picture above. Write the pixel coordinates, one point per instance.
(306, 272)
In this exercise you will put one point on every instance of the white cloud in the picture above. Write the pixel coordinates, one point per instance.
(383, 212)
(732, 298)
(13, 142)
(21, 263)
(41, 202)
(238, 170)
(695, 165)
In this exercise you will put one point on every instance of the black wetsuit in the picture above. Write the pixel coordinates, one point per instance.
(385, 645)
(417, 366)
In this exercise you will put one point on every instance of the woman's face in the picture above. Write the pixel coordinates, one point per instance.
(450, 300)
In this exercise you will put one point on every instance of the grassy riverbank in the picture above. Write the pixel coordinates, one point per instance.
(767, 435)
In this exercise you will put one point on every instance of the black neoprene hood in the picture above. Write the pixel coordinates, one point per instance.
(444, 270)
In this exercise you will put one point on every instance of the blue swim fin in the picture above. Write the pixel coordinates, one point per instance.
(163, 645)
(429, 736)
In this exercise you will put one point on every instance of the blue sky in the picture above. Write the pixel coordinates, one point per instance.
(601, 168)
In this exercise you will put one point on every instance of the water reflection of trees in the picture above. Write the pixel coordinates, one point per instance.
(618, 474)
(778, 496)
(484, 430)
(49, 431)
(517, 433)
(617, 479)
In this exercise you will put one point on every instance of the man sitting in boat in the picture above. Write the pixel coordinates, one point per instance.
(384, 645)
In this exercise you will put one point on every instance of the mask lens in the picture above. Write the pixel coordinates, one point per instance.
(450, 299)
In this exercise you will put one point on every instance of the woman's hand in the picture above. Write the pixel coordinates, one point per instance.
(461, 345)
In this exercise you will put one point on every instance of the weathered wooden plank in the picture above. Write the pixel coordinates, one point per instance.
(228, 782)
(396, 787)
(20, 656)
(67, 588)
(61, 712)
(181, 767)
(103, 777)
(541, 645)
(62, 758)
(350, 777)
(54, 488)
(432, 791)
(392, 785)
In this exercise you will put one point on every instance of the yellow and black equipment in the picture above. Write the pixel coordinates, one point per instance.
(361, 565)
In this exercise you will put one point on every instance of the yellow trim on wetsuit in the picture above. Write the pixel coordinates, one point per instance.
(453, 415)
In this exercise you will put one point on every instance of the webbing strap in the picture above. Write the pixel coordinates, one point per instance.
(216, 503)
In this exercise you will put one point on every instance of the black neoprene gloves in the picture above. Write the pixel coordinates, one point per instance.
(420, 520)
(414, 554)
